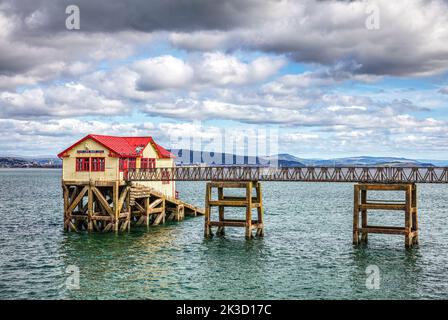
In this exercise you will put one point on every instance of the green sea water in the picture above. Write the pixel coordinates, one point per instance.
(306, 252)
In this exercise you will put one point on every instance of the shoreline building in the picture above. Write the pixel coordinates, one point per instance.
(99, 194)
(108, 158)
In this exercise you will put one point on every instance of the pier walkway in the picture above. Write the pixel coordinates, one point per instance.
(304, 174)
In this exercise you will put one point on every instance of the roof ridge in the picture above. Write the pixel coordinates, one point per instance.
(123, 146)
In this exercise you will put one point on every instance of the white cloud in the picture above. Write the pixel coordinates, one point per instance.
(162, 72)
(150, 78)
(70, 99)
(220, 69)
(412, 38)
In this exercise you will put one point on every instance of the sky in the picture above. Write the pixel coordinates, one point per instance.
(330, 78)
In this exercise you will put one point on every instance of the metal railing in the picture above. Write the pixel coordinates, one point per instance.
(305, 174)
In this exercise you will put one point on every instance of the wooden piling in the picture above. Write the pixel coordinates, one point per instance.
(111, 206)
(248, 202)
(409, 206)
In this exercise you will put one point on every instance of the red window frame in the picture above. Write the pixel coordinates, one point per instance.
(147, 163)
(127, 163)
(132, 163)
(82, 164)
(123, 164)
(98, 164)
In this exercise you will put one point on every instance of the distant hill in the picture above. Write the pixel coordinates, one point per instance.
(288, 160)
(368, 161)
(198, 157)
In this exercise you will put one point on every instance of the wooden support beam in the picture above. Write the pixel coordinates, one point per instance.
(364, 207)
(260, 212)
(122, 197)
(408, 217)
(115, 195)
(76, 201)
(160, 218)
(382, 206)
(90, 209)
(140, 208)
(249, 210)
(356, 215)
(207, 227)
(102, 201)
(221, 229)
(414, 214)
(409, 206)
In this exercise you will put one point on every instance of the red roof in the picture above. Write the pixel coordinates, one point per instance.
(124, 146)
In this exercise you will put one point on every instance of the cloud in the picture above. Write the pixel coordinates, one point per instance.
(417, 138)
(47, 16)
(326, 111)
(411, 40)
(36, 47)
(142, 78)
(443, 90)
(70, 99)
(162, 72)
(29, 59)
(221, 69)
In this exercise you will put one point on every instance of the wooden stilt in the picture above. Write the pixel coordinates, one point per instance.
(147, 211)
(409, 206)
(115, 205)
(90, 211)
(260, 213)
(356, 215)
(249, 210)
(221, 228)
(207, 227)
(248, 202)
(363, 215)
(414, 214)
(408, 217)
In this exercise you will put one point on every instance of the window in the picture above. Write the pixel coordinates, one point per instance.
(126, 164)
(82, 164)
(123, 164)
(147, 163)
(98, 164)
(132, 163)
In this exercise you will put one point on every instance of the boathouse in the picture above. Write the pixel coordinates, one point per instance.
(109, 158)
(99, 194)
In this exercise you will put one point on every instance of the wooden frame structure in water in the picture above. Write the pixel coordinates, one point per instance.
(362, 204)
(248, 201)
(114, 205)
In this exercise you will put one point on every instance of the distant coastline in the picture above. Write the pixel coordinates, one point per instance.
(282, 160)
(18, 162)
